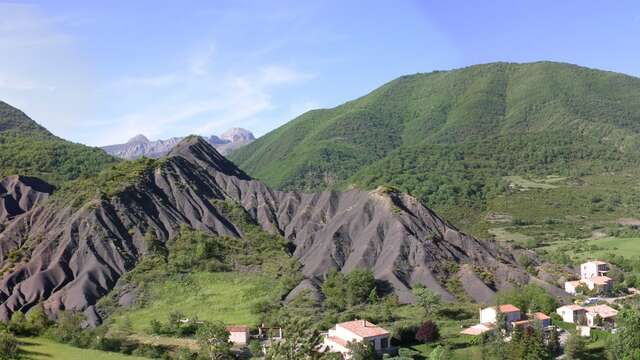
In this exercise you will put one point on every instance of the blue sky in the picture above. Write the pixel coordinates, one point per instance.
(102, 72)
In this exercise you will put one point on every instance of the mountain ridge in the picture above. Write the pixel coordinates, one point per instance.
(140, 145)
(73, 252)
(475, 125)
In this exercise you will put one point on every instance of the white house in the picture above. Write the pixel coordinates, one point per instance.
(490, 314)
(238, 335)
(601, 316)
(342, 334)
(593, 269)
(574, 314)
(593, 276)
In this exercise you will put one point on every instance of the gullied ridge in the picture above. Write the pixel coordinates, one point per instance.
(70, 256)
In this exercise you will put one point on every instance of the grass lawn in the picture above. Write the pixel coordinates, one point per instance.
(627, 247)
(227, 297)
(44, 349)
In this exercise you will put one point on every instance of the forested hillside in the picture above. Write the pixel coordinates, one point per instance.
(27, 148)
(450, 137)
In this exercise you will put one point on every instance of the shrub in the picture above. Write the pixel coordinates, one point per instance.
(428, 332)
(8, 346)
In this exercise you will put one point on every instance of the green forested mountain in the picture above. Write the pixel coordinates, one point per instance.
(451, 137)
(27, 148)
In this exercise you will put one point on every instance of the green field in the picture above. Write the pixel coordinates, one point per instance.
(44, 349)
(227, 297)
(621, 246)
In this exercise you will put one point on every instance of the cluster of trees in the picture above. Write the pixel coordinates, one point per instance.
(355, 288)
(49, 158)
(529, 298)
(526, 343)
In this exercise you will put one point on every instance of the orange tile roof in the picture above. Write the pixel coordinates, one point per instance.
(363, 328)
(605, 311)
(237, 328)
(573, 307)
(478, 329)
(338, 340)
(540, 316)
(601, 280)
(521, 322)
(507, 308)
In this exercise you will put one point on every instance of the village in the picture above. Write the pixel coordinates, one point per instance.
(593, 308)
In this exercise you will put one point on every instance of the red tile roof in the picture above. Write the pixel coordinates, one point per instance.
(521, 322)
(478, 329)
(573, 307)
(508, 308)
(540, 316)
(338, 340)
(600, 280)
(604, 311)
(363, 328)
(237, 329)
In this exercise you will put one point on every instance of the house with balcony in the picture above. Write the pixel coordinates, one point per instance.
(593, 269)
(339, 337)
(593, 276)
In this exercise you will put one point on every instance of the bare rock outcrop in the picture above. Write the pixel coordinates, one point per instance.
(71, 256)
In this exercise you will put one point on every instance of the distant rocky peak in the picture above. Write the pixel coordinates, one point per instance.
(138, 139)
(215, 140)
(238, 135)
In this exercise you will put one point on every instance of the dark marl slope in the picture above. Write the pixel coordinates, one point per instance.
(74, 256)
(18, 194)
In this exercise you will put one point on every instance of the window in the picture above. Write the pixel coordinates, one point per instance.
(384, 343)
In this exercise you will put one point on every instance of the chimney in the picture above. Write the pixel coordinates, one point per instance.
(364, 323)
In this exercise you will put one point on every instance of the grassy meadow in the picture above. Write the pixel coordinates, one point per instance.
(44, 349)
(226, 297)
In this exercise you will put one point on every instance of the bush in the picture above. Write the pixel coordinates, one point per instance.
(428, 332)
(8, 346)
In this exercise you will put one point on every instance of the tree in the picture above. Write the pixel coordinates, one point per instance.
(38, 319)
(575, 348)
(529, 298)
(69, 330)
(360, 283)
(553, 343)
(428, 332)
(300, 342)
(334, 290)
(18, 324)
(8, 346)
(427, 299)
(624, 344)
(361, 350)
(153, 245)
(214, 343)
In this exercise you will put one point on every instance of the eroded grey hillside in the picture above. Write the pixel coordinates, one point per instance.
(72, 256)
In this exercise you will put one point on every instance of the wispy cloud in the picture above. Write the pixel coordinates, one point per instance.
(205, 88)
(199, 98)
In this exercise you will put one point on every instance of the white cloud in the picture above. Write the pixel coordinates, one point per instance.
(47, 76)
(197, 98)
